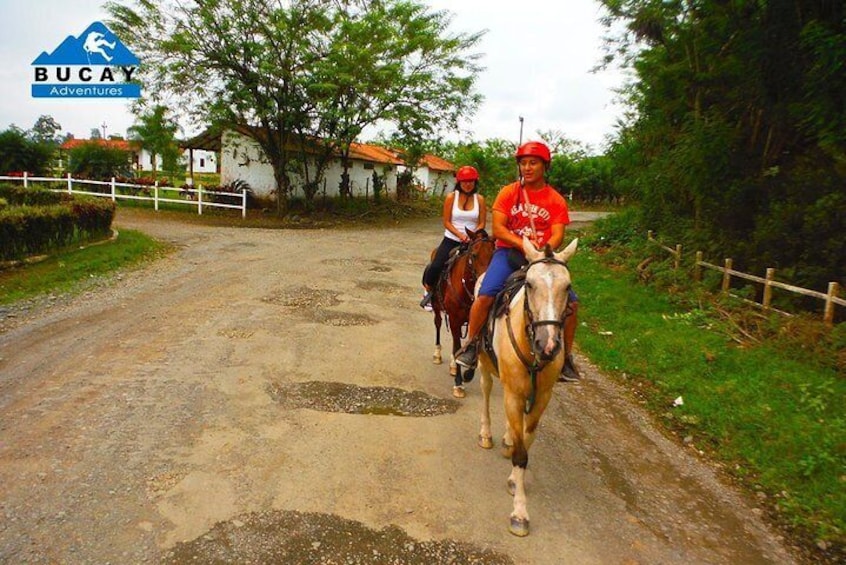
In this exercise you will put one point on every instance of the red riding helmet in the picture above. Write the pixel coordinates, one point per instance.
(534, 149)
(466, 173)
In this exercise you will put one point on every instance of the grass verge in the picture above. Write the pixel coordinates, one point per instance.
(65, 270)
(773, 418)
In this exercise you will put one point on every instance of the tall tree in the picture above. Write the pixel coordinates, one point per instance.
(305, 76)
(736, 139)
(46, 130)
(155, 130)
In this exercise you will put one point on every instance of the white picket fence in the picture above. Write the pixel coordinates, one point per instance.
(198, 197)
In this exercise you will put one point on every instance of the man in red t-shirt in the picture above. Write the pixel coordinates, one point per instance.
(528, 208)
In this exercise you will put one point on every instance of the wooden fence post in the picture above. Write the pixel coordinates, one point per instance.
(26, 184)
(828, 314)
(697, 268)
(70, 184)
(649, 235)
(156, 195)
(727, 276)
(114, 198)
(678, 256)
(768, 289)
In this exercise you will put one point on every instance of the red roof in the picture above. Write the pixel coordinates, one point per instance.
(122, 144)
(374, 153)
(435, 163)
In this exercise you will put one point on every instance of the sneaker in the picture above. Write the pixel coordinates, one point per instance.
(569, 372)
(468, 356)
(426, 303)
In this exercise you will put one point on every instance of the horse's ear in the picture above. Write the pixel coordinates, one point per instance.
(470, 233)
(568, 252)
(532, 254)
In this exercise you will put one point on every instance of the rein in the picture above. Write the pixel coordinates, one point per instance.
(467, 288)
(533, 366)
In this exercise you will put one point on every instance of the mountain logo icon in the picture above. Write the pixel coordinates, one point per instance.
(97, 45)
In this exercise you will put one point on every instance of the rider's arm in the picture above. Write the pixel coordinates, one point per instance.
(557, 235)
(501, 231)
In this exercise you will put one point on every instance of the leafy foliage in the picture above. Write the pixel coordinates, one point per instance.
(736, 139)
(304, 78)
(156, 132)
(19, 153)
(95, 160)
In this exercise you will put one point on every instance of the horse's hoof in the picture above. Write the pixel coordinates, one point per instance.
(485, 442)
(437, 359)
(512, 487)
(453, 370)
(507, 450)
(519, 527)
(458, 392)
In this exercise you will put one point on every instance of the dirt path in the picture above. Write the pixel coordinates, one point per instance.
(268, 397)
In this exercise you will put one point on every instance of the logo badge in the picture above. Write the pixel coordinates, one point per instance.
(93, 65)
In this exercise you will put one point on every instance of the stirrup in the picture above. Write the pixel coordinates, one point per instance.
(427, 300)
(468, 356)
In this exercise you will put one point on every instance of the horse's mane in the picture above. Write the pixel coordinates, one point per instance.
(547, 251)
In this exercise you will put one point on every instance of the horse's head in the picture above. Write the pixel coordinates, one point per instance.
(546, 293)
(481, 247)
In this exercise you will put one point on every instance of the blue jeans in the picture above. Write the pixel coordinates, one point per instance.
(505, 261)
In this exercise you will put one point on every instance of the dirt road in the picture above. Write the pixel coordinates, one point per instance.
(268, 396)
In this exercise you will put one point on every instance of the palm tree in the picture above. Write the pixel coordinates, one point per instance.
(156, 132)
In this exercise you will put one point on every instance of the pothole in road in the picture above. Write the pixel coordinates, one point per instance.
(331, 318)
(313, 538)
(384, 287)
(358, 263)
(352, 399)
(311, 304)
(303, 297)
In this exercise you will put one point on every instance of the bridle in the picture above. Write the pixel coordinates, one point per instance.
(535, 364)
(470, 276)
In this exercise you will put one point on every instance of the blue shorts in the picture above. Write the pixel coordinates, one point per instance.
(505, 261)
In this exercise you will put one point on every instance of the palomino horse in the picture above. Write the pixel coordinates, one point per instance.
(525, 350)
(454, 295)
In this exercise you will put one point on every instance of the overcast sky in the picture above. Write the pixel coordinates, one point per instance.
(537, 60)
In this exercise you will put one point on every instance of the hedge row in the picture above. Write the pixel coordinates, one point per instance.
(30, 230)
(20, 196)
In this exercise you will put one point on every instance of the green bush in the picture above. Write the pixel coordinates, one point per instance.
(16, 195)
(29, 230)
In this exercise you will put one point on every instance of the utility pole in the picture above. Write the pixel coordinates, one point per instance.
(521, 132)
(104, 129)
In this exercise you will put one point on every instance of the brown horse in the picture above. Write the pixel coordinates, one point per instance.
(525, 350)
(454, 295)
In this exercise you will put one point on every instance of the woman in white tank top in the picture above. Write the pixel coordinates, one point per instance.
(464, 209)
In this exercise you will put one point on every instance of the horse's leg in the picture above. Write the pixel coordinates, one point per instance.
(519, 525)
(485, 384)
(436, 356)
(455, 331)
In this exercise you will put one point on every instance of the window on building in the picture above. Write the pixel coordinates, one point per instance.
(369, 166)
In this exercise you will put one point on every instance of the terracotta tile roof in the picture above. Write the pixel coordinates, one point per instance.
(122, 144)
(374, 153)
(435, 163)
(211, 139)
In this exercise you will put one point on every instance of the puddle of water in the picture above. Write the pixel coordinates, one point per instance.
(312, 537)
(353, 399)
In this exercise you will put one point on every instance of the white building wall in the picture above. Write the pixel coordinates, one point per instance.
(204, 161)
(242, 158)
